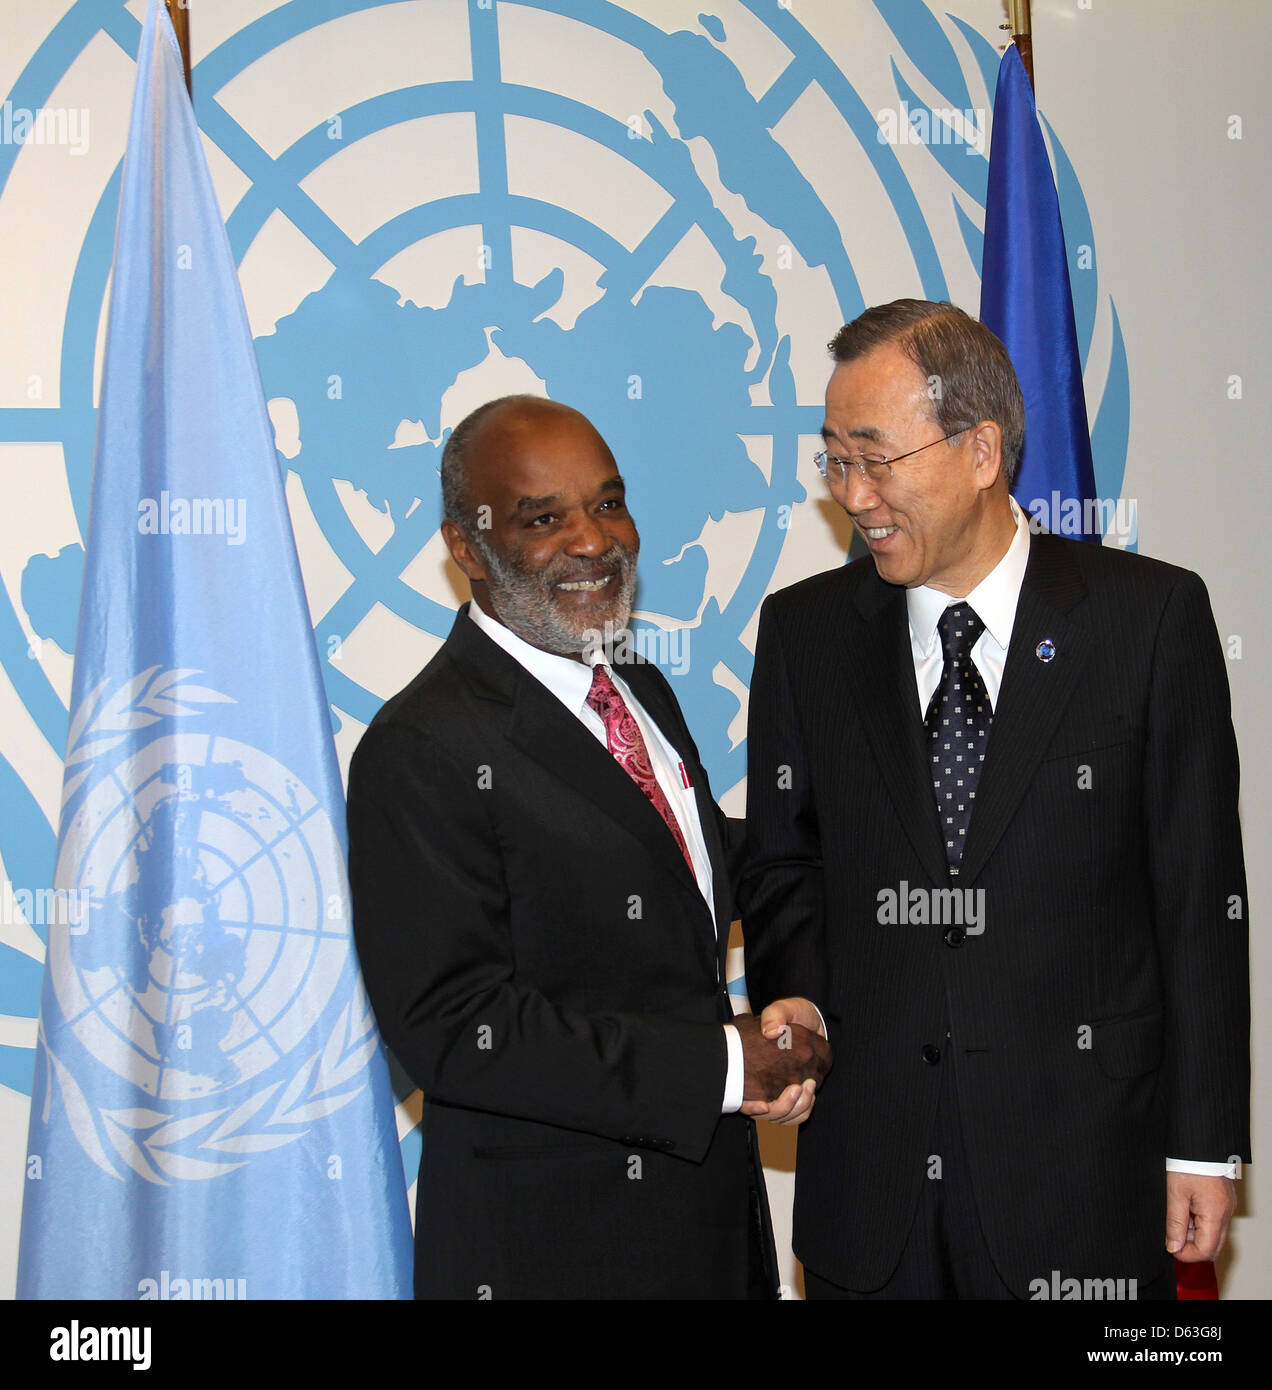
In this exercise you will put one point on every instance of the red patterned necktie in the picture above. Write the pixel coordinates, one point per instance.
(628, 747)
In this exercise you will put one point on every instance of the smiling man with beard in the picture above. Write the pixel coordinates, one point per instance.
(542, 904)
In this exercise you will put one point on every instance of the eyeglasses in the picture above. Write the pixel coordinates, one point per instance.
(834, 467)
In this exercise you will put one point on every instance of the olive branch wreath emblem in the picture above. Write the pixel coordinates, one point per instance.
(165, 1144)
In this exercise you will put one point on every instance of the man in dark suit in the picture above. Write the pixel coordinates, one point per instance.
(541, 905)
(993, 839)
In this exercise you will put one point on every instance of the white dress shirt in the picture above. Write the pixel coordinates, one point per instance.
(994, 600)
(570, 681)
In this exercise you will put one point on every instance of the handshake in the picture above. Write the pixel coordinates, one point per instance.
(786, 1057)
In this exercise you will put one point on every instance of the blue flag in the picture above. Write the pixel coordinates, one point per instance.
(1027, 301)
(211, 1116)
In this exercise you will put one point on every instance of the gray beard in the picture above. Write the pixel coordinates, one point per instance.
(526, 605)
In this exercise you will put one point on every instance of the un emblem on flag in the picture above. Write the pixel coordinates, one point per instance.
(213, 937)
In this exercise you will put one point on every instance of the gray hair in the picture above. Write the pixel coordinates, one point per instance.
(976, 378)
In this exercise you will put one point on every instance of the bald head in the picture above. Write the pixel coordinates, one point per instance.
(485, 433)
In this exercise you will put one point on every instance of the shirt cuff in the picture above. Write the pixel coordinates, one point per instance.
(735, 1077)
(1201, 1168)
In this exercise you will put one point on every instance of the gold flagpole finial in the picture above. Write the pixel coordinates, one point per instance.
(1021, 25)
(179, 13)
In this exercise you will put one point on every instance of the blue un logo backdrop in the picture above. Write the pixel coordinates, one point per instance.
(659, 221)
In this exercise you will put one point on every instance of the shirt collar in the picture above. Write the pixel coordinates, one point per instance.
(567, 679)
(994, 598)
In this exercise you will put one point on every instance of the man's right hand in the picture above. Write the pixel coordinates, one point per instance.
(795, 1104)
(784, 1062)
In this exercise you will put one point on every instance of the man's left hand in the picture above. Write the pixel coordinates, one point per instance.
(1198, 1211)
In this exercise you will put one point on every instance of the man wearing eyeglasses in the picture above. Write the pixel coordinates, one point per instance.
(995, 854)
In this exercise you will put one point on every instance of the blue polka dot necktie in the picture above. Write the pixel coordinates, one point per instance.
(957, 724)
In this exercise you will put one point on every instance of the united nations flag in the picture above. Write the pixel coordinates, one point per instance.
(212, 1115)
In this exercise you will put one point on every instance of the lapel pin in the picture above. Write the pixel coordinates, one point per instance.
(1046, 650)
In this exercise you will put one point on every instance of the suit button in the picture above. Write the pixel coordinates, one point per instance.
(931, 1054)
(954, 936)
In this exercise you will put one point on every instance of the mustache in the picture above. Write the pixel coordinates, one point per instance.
(616, 560)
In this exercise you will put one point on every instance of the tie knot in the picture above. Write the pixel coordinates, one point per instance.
(604, 693)
(959, 628)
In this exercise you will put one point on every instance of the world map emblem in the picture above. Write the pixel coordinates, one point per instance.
(677, 312)
(215, 869)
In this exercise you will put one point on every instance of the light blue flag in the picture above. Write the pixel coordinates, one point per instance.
(1027, 300)
(211, 1114)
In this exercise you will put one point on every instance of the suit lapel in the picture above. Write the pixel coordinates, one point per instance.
(543, 729)
(879, 673)
(656, 699)
(1033, 696)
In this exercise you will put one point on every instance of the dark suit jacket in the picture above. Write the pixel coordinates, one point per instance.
(542, 962)
(1099, 1021)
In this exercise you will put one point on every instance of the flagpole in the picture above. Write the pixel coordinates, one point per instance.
(271, 1162)
(1021, 25)
(179, 13)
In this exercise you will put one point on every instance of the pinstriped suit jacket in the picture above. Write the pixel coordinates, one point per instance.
(1099, 1021)
(543, 964)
